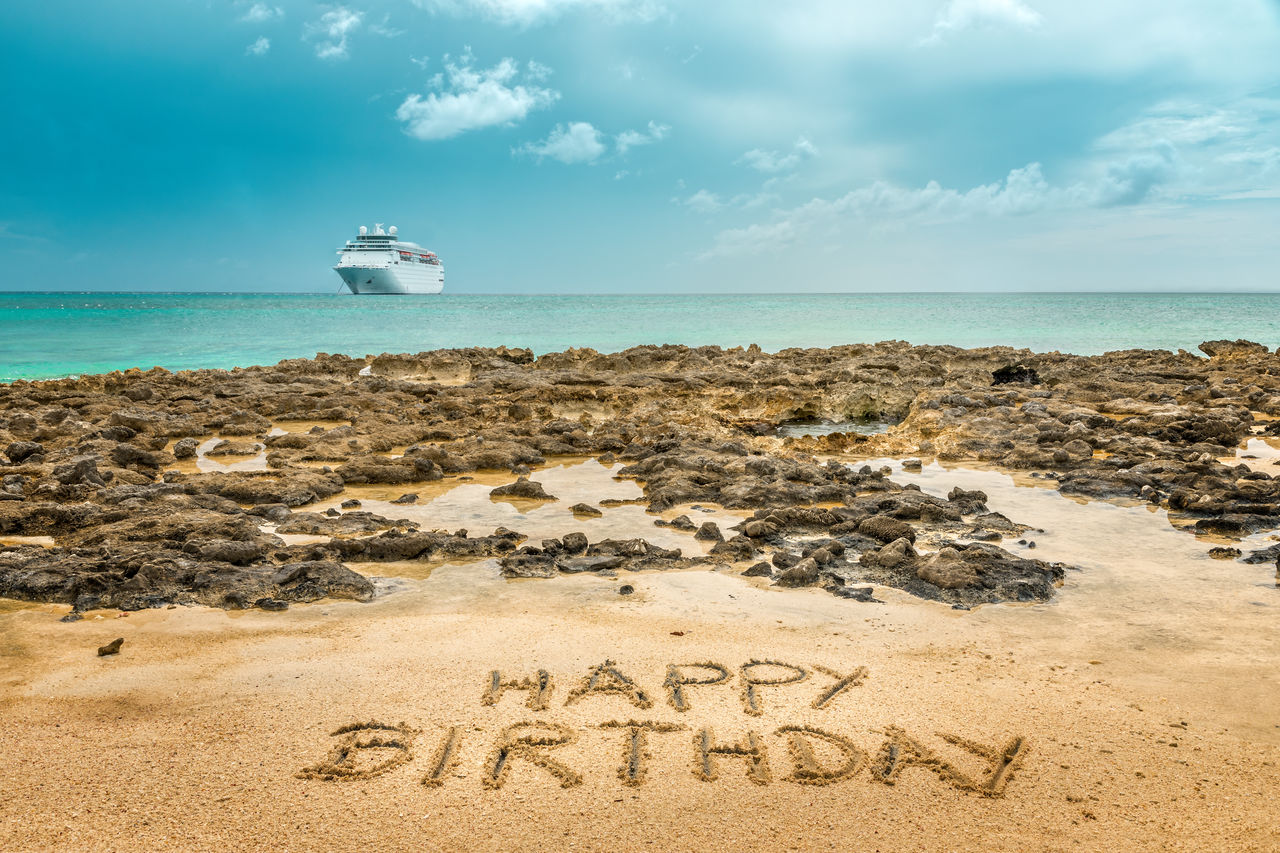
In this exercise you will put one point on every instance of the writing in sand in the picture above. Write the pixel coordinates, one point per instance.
(814, 755)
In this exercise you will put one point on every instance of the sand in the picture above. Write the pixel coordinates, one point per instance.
(1139, 708)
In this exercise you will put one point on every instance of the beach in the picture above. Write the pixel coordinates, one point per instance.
(863, 597)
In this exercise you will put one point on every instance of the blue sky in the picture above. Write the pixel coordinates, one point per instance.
(645, 145)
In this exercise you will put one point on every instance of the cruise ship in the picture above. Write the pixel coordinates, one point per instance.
(381, 263)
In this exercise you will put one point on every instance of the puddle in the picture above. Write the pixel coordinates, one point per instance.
(1260, 454)
(42, 541)
(814, 429)
(205, 464)
(1148, 600)
(453, 503)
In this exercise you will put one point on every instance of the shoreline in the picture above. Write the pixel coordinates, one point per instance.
(1026, 573)
(52, 335)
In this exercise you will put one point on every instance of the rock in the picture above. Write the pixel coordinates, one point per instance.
(803, 573)
(111, 648)
(523, 488)
(575, 543)
(709, 532)
(863, 593)
(585, 511)
(884, 528)
(1220, 553)
(185, 448)
(528, 565)
(947, 569)
(736, 549)
(912, 465)
(759, 529)
(271, 604)
(351, 503)
(759, 570)
(1015, 373)
(626, 589)
(409, 498)
(574, 565)
(1230, 349)
(894, 555)
(233, 552)
(21, 451)
(81, 469)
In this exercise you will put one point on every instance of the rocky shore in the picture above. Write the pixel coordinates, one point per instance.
(103, 502)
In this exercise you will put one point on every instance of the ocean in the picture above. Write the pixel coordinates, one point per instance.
(47, 335)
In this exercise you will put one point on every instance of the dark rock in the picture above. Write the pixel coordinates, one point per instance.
(1015, 373)
(409, 498)
(574, 565)
(81, 469)
(709, 532)
(271, 604)
(803, 573)
(523, 488)
(626, 589)
(21, 451)
(586, 510)
(857, 593)
(884, 528)
(575, 543)
(185, 448)
(111, 648)
(759, 570)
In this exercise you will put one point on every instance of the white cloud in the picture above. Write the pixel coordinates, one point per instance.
(1209, 150)
(579, 142)
(773, 161)
(260, 12)
(333, 28)
(1024, 191)
(960, 15)
(629, 139)
(703, 201)
(259, 47)
(528, 12)
(383, 28)
(475, 98)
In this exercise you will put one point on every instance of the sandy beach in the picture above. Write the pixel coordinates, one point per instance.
(954, 630)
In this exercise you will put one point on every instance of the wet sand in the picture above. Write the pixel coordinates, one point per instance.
(1146, 698)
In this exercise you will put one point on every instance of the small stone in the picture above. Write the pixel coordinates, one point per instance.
(111, 648)
(406, 499)
(586, 510)
(626, 589)
(522, 488)
(709, 532)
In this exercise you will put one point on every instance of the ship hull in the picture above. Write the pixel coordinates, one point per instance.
(410, 278)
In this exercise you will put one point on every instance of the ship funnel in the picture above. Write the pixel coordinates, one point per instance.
(364, 229)
(392, 230)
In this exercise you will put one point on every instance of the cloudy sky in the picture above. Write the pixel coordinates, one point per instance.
(645, 145)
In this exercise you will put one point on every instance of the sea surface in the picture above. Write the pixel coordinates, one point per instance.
(45, 335)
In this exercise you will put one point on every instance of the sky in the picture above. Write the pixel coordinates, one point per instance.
(645, 146)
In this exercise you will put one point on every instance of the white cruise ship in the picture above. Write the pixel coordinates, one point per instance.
(381, 263)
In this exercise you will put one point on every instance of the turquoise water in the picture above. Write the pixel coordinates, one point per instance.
(46, 335)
